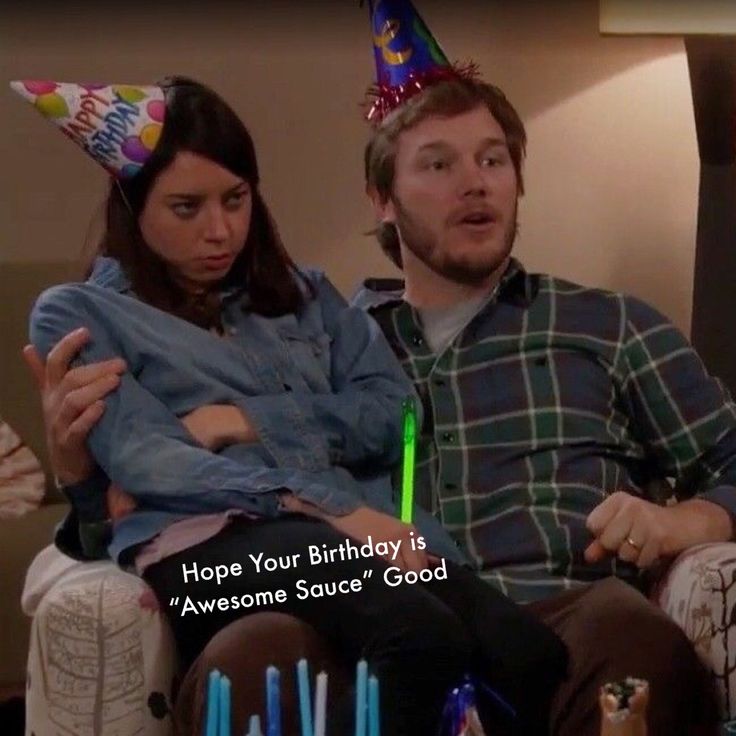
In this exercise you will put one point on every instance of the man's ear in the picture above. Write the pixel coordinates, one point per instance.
(383, 207)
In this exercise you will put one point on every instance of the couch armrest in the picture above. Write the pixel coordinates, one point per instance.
(699, 593)
(102, 657)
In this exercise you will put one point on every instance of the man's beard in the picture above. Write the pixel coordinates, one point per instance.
(425, 245)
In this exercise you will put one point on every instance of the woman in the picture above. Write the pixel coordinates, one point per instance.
(259, 416)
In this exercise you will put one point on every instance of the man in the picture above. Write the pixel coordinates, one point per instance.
(553, 409)
(535, 385)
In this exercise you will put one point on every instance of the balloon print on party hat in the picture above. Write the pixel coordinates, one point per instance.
(408, 57)
(117, 124)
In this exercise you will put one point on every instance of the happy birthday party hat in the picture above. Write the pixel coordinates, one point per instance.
(118, 125)
(407, 56)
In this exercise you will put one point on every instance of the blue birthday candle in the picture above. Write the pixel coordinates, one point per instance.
(305, 705)
(225, 691)
(213, 703)
(361, 697)
(273, 701)
(374, 713)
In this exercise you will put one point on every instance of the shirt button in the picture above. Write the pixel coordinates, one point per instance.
(448, 436)
(417, 340)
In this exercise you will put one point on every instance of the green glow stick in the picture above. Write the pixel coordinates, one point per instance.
(410, 445)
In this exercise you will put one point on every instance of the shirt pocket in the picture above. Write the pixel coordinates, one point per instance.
(308, 356)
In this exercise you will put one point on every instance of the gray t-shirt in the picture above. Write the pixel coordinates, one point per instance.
(441, 325)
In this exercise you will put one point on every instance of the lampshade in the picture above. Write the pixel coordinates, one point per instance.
(668, 17)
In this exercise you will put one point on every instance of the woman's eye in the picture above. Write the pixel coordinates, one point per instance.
(184, 209)
(235, 200)
(438, 165)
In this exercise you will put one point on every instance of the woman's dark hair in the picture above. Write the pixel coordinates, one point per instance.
(199, 121)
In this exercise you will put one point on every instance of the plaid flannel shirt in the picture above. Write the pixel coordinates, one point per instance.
(552, 397)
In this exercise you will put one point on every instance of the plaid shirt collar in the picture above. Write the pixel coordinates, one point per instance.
(516, 287)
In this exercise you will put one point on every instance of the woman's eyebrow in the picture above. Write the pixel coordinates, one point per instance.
(183, 195)
(238, 186)
(200, 195)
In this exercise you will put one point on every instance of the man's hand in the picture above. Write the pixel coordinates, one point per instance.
(643, 532)
(72, 402)
(215, 426)
(629, 527)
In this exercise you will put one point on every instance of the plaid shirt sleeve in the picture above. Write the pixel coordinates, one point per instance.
(684, 417)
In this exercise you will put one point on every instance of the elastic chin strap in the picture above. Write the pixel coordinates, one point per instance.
(122, 194)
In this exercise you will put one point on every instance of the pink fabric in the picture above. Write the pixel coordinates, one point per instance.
(183, 535)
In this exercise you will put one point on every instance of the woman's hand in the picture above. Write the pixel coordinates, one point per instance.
(215, 426)
(72, 401)
(119, 503)
(366, 521)
(383, 528)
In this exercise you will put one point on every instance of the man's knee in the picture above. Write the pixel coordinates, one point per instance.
(620, 619)
(633, 637)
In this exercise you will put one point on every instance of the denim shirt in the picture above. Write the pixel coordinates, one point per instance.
(321, 388)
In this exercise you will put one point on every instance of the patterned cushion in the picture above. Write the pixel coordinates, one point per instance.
(699, 593)
(102, 659)
(22, 482)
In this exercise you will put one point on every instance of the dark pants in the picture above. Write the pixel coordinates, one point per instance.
(611, 631)
(418, 639)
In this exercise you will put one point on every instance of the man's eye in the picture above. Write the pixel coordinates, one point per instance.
(496, 159)
(438, 165)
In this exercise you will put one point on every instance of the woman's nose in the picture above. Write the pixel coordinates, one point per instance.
(216, 225)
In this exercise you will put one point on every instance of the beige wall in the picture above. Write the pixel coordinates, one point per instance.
(612, 174)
